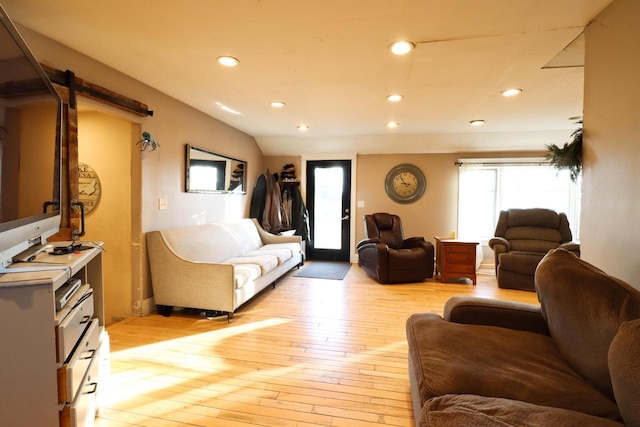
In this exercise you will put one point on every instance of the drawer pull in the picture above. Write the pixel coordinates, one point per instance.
(95, 387)
(89, 354)
(85, 319)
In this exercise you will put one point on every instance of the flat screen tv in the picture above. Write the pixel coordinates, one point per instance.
(30, 144)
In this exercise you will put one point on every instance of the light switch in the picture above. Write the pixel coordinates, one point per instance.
(162, 204)
(360, 203)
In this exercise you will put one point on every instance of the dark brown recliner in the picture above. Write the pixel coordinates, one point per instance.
(390, 258)
(522, 238)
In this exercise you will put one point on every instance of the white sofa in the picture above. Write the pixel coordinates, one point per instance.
(217, 267)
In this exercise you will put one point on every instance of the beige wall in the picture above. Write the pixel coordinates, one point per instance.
(610, 222)
(275, 164)
(104, 146)
(434, 214)
(611, 203)
(173, 124)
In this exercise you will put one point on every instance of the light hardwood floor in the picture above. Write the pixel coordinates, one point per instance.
(310, 352)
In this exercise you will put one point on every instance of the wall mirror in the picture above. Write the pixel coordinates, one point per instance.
(209, 172)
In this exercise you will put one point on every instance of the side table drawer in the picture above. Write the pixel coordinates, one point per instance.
(460, 249)
(465, 268)
(460, 257)
(70, 374)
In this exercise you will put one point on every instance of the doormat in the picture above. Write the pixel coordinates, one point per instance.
(325, 270)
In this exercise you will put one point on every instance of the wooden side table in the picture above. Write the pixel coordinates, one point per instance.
(455, 258)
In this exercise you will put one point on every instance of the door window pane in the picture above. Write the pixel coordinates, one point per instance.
(328, 208)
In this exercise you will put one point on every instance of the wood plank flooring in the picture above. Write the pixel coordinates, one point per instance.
(310, 352)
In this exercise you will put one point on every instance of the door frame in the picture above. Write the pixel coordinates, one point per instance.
(353, 256)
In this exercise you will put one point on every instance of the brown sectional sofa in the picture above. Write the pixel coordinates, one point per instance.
(573, 361)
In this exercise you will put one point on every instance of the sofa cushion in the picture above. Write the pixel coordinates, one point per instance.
(583, 308)
(624, 363)
(479, 411)
(266, 262)
(293, 247)
(550, 235)
(246, 273)
(452, 358)
(282, 251)
(520, 262)
(281, 256)
(538, 217)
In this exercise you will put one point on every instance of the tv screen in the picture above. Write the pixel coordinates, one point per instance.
(30, 118)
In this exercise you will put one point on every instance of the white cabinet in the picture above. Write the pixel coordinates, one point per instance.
(52, 362)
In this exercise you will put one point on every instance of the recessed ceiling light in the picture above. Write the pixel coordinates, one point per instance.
(277, 104)
(303, 128)
(402, 47)
(476, 122)
(393, 124)
(228, 61)
(394, 98)
(511, 92)
(227, 108)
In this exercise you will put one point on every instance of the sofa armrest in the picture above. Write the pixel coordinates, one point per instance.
(373, 244)
(571, 247)
(364, 242)
(505, 314)
(183, 283)
(499, 241)
(417, 242)
(270, 238)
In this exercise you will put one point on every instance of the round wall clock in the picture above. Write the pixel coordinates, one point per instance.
(89, 189)
(405, 183)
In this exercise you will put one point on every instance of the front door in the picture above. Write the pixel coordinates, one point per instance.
(328, 202)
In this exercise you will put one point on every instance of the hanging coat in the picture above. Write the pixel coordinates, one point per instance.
(299, 215)
(272, 216)
(256, 210)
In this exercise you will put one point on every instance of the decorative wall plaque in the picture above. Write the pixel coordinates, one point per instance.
(89, 189)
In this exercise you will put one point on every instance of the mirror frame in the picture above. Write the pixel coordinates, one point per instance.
(232, 167)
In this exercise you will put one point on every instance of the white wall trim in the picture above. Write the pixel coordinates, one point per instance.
(353, 256)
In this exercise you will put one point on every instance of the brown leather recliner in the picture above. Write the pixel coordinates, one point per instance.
(522, 238)
(390, 258)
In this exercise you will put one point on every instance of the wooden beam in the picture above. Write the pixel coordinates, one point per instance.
(94, 91)
(68, 85)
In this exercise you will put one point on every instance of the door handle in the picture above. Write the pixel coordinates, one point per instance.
(344, 218)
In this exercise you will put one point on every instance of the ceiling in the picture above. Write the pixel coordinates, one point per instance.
(329, 61)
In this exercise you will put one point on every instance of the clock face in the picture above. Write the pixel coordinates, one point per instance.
(405, 183)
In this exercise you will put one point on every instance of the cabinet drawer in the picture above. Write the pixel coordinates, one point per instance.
(82, 411)
(70, 374)
(73, 326)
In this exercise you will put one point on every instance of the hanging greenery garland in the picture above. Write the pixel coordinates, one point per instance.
(569, 156)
